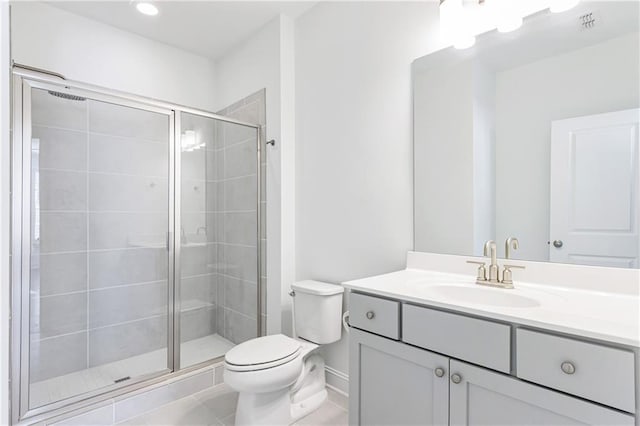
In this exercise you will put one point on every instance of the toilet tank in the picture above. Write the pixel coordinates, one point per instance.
(318, 311)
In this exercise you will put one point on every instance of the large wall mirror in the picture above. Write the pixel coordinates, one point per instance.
(534, 134)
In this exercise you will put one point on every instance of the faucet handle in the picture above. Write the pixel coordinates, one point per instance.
(515, 266)
(507, 277)
(482, 271)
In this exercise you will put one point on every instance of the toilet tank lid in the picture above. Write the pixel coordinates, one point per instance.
(317, 287)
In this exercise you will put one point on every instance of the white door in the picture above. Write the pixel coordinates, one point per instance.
(594, 190)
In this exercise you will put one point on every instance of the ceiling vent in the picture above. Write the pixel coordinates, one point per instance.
(587, 21)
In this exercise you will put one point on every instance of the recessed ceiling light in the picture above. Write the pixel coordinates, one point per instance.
(147, 8)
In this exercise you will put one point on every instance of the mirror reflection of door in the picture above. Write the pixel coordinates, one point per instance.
(594, 190)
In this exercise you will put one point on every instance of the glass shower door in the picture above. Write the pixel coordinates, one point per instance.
(99, 271)
(218, 285)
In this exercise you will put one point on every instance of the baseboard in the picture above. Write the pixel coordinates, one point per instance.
(337, 380)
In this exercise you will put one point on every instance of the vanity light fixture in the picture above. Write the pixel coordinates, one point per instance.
(454, 23)
(147, 8)
(507, 14)
(462, 20)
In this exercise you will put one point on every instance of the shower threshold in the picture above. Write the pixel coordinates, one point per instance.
(58, 388)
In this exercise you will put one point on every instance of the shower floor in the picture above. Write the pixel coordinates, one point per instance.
(61, 387)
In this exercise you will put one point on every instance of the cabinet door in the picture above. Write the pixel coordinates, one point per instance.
(392, 383)
(484, 397)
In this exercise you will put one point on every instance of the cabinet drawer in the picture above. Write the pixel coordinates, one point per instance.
(592, 371)
(478, 341)
(374, 314)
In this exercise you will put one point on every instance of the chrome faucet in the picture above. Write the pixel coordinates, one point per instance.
(492, 279)
(490, 249)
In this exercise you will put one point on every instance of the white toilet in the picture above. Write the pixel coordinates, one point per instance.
(281, 379)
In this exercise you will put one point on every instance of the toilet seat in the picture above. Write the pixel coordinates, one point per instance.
(262, 353)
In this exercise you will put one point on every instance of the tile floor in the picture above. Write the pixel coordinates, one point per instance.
(61, 387)
(217, 407)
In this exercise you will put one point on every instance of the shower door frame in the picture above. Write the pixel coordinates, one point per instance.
(24, 79)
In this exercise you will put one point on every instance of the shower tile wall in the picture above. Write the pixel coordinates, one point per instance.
(237, 292)
(199, 232)
(99, 287)
(218, 238)
(99, 261)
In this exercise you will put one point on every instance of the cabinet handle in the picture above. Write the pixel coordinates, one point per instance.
(568, 367)
(439, 372)
(456, 378)
(370, 315)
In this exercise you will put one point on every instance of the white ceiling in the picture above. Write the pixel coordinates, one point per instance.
(207, 28)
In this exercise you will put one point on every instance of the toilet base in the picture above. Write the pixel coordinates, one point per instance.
(309, 405)
(275, 408)
(288, 405)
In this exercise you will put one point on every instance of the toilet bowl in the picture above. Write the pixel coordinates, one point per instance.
(281, 379)
(275, 380)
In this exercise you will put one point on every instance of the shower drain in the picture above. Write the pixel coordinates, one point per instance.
(122, 379)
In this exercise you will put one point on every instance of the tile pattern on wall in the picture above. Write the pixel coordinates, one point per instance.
(219, 221)
(99, 263)
(99, 267)
(198, 269)
(237, 291)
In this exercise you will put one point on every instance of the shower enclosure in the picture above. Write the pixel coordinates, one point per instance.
(134, 222)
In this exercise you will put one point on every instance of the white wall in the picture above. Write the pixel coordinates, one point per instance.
(265, 61)
(597, 79)
(354, 171)
(249, 67)
(5, 139)
(85, 50)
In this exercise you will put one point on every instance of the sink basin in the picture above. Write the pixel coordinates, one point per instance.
(480, 295)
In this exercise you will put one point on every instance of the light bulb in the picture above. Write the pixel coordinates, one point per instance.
(147, 8)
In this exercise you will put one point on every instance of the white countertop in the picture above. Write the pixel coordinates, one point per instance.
(608, 316)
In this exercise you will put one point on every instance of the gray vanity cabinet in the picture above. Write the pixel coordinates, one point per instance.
(471, 380)
(484, 397)
(391, 383)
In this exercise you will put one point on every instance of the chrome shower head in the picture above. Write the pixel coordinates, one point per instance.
(67, 96)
